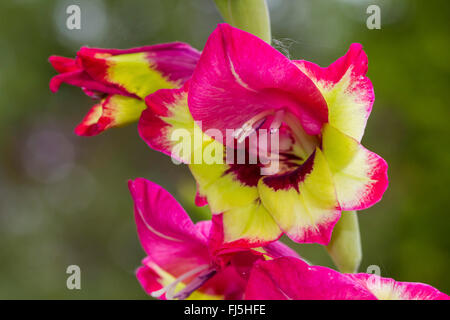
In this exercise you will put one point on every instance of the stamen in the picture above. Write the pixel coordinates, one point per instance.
(193, 285)
(277, 121)
(249, 131)
(306, 142)
(169, 290)
(251, 126)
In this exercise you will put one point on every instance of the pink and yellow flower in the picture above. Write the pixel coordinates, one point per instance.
(289, 278)
(244, 84)
(121, 79)
(187, 260)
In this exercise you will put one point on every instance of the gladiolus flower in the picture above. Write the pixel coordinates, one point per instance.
(187, 260)
(121, 79)
(289, 278)
(244, 84)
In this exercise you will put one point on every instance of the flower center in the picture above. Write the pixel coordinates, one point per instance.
(293, 146)
(250, 126)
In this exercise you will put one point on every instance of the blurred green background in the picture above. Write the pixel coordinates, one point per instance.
(64, 199)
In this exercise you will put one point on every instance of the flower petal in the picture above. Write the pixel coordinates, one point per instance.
(244, 227)
(290, 278)
(389, 289)
(170, 239)
(141, 71)
(81, 79)
(63, 64)
(167, 125)
(200, 200)
(227, 284)
(360, 176)
(149, 279)
(346, 89)
(113, 111)
(278, 249)
(237, 71)
(303, 202)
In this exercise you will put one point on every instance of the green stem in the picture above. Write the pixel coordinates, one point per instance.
(345, 245)
(249, 15)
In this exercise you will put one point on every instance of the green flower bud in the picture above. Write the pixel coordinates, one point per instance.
(249, 15)
(345, 245)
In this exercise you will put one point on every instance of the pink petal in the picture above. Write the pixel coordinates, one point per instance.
(165, 230)
(141, 71)
(347, 90)
(360, 176)
(278, 249)
(90, 126)
(204, 227)
(63, 64)
(154, 125)
(200, 200)
(81, 79)
(227, 283)
(293, 279)
(148, 278)
(175, 60)
(389, 289)
(113, 111)
(238, 71)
